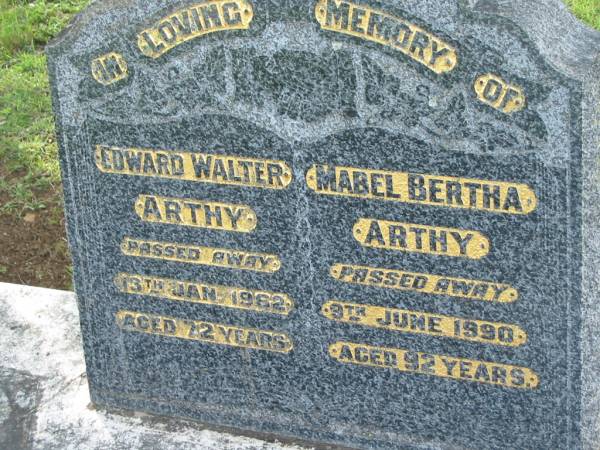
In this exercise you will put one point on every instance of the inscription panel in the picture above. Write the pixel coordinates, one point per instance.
(344, 222)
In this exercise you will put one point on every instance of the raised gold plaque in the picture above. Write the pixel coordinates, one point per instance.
(422, 189)
(418, 322)
(195, 254)
(410, 237)
(196, 167)
(424, 283)
(461, 369)
(497, 93)
(192, 22)
(192, 292)
(206, 332)
(373, 25)
(110, 68)
(195, 213)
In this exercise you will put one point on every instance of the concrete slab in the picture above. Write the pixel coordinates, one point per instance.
(44, 399)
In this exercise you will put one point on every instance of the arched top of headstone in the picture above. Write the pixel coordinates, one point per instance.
(306, 70)
(567, 43)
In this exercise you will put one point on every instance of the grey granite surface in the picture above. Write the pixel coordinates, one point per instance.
(293, 90)
(44, 397)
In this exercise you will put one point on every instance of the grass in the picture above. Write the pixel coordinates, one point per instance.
(28, 155)
(587, 10)
(28, 152)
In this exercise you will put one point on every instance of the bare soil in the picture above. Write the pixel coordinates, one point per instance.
(33, 246)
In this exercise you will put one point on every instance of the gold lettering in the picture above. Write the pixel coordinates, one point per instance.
(424, 283)
(110, 68)
(360, 21)
(207, 332)
(207, 256)
(431, 190)
(198, 167)
(451, 367)
(418, 322)
(195, 213)
(497, 93)
(427, 239)
(186, 291)
(192, 22)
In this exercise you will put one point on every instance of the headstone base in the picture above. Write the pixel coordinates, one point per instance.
(44, 398)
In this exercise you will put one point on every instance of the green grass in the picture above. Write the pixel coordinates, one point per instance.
(587, 10)
(28, 154)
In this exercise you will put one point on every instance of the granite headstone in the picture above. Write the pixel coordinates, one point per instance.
(362, 223)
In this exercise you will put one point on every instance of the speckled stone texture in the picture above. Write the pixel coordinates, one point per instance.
(44, 398)
(287, 89)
